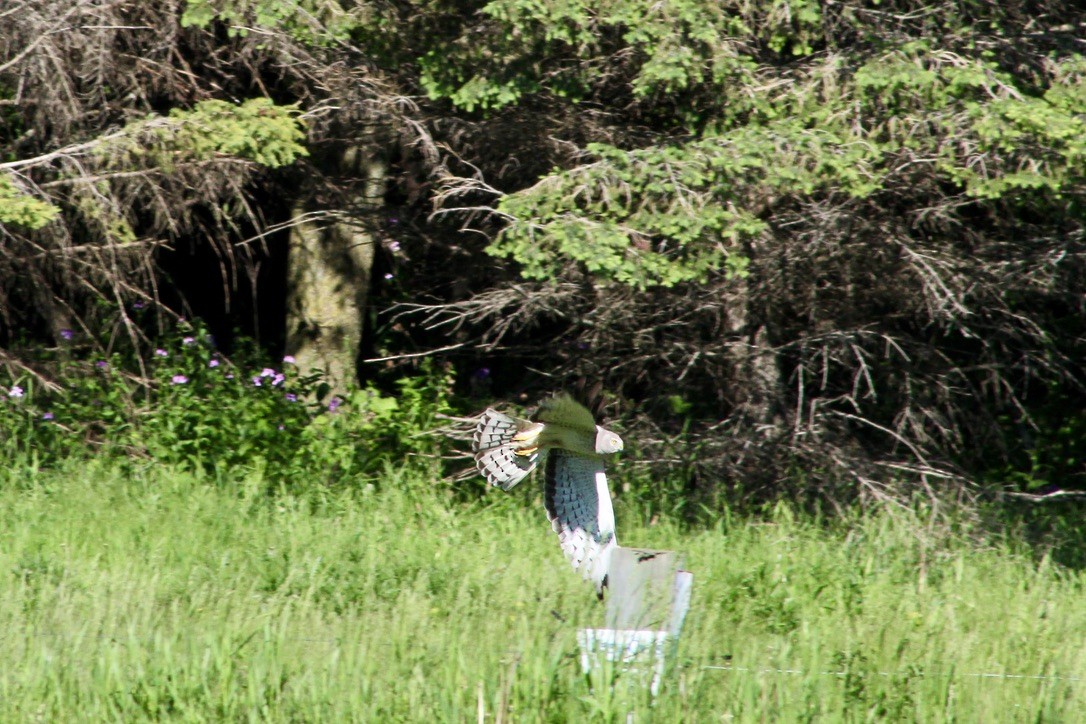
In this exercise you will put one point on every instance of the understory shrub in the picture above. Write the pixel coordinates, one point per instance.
(193, 408)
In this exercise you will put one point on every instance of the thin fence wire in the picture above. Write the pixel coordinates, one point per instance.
(890, 674)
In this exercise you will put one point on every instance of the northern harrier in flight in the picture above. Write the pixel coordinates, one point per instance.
(576, 495)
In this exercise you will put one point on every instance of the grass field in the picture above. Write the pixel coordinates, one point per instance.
(162, 596)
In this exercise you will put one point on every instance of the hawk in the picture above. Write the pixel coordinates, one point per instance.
(576, 496)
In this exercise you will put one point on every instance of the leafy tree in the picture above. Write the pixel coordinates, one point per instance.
(133, 133)
(835, 243)
(844, 239)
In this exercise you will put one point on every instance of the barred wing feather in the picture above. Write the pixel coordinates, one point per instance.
(495, 450)
(578, 504)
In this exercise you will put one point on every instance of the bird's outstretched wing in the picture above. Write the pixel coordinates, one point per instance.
(579, 507)
(565, 411)
(499, 448)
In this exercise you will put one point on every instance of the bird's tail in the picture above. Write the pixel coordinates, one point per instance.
(505, 449)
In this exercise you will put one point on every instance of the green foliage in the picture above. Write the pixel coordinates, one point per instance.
(681, 208)
(202, 412)
(676, 212)
(476, 92)
(257, 130)
(1034, 140)
(664, 215)
(563, 46)
(1056, 133)
(314, 22)
(20, 209)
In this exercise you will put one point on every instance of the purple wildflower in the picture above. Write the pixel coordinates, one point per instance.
(161, 353)
(101, 364)
(15, 391)
(267, 372)
(257, 382)
(394, 246)
(138, 305)
(67, 333)
(230, 376)
(334, 404)
(278, 379)
(281, 427)
(47, 416)
(289, 360)
(291, 397)
(179, 379)
(388, 276)
(187, 340)
(213, 363)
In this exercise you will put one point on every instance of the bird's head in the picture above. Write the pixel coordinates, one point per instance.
(607, 442)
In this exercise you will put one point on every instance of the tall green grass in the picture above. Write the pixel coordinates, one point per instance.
(158, 595)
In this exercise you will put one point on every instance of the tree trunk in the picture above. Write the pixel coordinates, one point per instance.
(329, 271)
(759, 389)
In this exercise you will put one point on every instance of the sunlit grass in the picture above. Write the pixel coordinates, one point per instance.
(161, 595)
